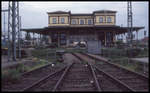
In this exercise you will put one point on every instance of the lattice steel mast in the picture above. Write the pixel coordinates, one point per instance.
(129, 23)
(13, 28)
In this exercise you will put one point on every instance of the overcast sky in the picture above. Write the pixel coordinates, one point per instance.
(34, 14)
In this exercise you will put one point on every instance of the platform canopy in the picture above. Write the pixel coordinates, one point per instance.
(78, 29)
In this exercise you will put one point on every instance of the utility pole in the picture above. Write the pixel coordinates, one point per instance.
(19, 35)
(13, 27)
(129, 23)
(4, 31)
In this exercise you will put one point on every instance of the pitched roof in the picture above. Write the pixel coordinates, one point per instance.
(78, 14)
(58, 12)
(104, 11)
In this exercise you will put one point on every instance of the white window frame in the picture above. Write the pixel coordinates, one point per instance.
(54, 22)
(109, 19)
(89, 20)
(81, 22)
(73, 21)
(101, 20)
(62, 20)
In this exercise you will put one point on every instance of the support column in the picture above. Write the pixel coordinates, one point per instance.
(13, 31)
(33, 39)
(50, 39)
(105, 39)
(122, 37)
(58, 42)
(67, 39)
(40, 39)
(137, 35)
(114, 34)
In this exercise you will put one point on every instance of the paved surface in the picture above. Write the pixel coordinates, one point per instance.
(69, 58)
(5, 63)
(145, 60)
(99, 57)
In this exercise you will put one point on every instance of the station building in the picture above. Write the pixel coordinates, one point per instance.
(66, 27)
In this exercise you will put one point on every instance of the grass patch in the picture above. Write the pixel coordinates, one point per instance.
(136, 52)
(50, 54)
(134, 66)
(13, 74)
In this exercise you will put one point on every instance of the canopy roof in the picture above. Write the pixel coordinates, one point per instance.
(55, 29)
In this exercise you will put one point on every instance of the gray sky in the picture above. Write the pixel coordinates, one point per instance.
(34, 14)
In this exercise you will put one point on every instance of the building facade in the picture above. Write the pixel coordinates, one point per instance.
(66, 27)
(61, 18)
(97, 18)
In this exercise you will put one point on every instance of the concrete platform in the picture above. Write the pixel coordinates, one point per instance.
(5, 63)
(68, 58)
(144, 60)
(99, 57)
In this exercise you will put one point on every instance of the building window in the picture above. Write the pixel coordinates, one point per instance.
(62, 20)
(101, 19)
(109, 20)
(81, 22)
(73, 21)
(54, 20)
(89, 21)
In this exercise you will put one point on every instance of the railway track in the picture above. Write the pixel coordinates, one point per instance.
(78, 76)
(133, 81)
(83, 74)
(106, 82)
(28, 78)
(47, 82)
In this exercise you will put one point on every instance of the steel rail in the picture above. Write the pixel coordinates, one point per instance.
(121, 83)
(93, 73)
(118, 66)
(123, 69)
(95, 78)
(35, 69)
(118, 81)
(41, 80)
(62, 77)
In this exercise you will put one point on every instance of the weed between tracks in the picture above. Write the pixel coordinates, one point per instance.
(124, 61)
(12, 75)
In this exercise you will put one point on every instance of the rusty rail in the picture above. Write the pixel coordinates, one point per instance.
(95, 79)
(93, 73)
(118, 81)
(118, 66)
(28, 72)
(140, 76)
(61, 78)
(41, 80)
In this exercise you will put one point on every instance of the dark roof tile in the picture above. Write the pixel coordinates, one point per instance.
(104, 11)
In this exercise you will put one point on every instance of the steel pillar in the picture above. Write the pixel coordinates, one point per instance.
(58, 39)
(105, 38)
(13, 27)
(4, 28)
(67, 39)
(33, 39)
(129, 23)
